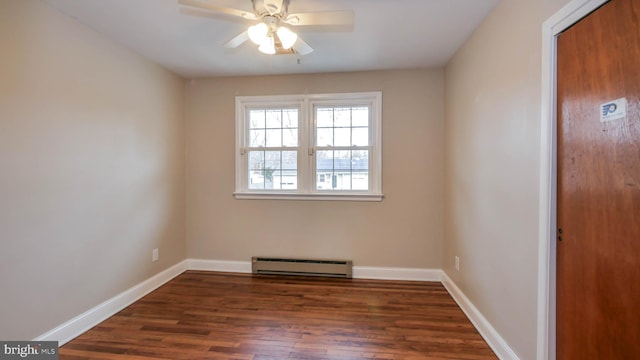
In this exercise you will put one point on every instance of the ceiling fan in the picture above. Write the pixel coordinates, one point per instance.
(271, 33)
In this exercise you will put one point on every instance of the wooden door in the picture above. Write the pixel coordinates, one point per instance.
(598, 257)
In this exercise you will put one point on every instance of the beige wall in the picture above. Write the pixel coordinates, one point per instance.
(404, 230)
(492, 132)
(91, 169)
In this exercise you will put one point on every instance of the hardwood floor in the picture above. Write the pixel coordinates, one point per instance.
(204, 315)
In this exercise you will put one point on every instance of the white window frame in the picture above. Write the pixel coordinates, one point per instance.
(306, 145)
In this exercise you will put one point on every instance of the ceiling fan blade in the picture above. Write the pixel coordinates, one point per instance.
(238, 40)
(321, 18)
(204, 5)
(203, 13)
(301, 47)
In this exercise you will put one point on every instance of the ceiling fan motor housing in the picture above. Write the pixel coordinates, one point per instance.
(271, 21)
(271, 7)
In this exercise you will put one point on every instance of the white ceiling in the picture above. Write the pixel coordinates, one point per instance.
(387, 34)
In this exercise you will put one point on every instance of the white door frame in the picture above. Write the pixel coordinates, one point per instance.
(563, 19)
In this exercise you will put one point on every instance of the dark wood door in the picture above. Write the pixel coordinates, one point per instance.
(598, 258)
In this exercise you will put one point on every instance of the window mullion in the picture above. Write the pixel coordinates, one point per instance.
(306, 170)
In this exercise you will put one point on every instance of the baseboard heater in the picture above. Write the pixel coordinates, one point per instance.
(302, 267)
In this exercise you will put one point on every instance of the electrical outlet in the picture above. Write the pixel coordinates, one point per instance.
(457, 263)
(155, 255)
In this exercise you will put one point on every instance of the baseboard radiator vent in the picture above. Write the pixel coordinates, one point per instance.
(302, 267)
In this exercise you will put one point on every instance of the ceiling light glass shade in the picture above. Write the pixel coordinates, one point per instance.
(258, 33)
(287, 37)
(268, 46)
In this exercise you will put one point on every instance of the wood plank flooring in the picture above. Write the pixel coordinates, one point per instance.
(204, 315)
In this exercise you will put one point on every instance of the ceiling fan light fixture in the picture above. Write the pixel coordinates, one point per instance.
(287, 37)
(258, 33)
(268, 46)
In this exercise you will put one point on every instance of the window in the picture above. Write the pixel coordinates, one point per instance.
(272, 150)
(325, 146)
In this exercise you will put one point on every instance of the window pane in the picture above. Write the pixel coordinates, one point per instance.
(360, 180)
(360, 137)
(256, 160)
(290, 137)
(325, 137)
(290, 118)
(273, 128)
(324, 161)
(274, 179)
(273, 170)
(324, 170)
(342, 181)
(256, 119)
(272, 160)
(350, 126)
(342, 160)
(360, 160)
(360, 166)
(342, 137)
(289, 173)
(360, 116)
(274, 119)
(274, 138)
(289, 160)
(342, 117)
(324, 117)
(256, 169)
(256, 138)
(289, 180)
(342, 170)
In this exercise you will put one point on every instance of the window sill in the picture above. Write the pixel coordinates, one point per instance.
(314, 196)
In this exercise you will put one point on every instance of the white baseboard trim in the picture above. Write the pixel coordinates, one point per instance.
(484, 327)
(90, 318)
(219, 265)
(389, 273)
(359, 272)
